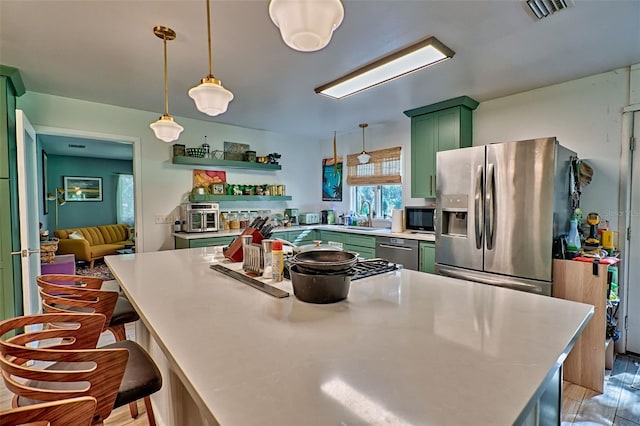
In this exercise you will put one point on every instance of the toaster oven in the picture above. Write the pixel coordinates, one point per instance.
(200, 217)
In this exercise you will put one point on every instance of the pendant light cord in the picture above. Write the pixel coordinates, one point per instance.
(209, 39)
(166, 80)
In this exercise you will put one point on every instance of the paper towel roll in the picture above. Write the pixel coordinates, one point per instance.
(396, 220)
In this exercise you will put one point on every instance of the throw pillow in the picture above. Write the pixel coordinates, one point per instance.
(75, 235)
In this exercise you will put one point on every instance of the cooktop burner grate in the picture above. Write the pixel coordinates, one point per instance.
(362, 269)
(368, 268)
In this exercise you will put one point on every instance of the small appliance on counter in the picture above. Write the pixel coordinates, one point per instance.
(293, 215)
(200, 217)
(328, 217)
(420, 219)
(309, 218)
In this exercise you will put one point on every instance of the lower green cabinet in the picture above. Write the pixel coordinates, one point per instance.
(427, 257)
(364, 245)
(203, 242)
(301, 238)
(328, 237)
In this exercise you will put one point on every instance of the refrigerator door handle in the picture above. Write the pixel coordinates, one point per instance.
(490, 207)
(479, 219)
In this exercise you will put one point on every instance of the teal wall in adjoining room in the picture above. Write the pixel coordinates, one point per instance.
(85, 213)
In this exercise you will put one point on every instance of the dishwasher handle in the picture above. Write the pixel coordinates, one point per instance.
(395, 247)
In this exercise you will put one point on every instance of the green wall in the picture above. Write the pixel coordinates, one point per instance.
(85, 213)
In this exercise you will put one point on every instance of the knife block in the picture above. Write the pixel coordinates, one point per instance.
(234, 251)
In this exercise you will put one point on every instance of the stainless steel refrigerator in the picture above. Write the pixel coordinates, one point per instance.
(499, 208)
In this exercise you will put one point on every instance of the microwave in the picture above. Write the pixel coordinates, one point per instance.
(200, 217)
(420, 219)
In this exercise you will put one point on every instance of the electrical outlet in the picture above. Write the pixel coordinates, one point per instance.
(163, 220)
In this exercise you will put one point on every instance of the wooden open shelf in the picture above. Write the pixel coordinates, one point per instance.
(209, 162)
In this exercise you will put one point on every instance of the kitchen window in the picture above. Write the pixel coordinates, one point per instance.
(383, 199)
(378, 182)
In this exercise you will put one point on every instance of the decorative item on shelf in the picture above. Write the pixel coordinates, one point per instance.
(208, 177)
(273, 158)
(217, 188)
(216, 154)
(178, 150)
(306, 25)
(250, 156)
(206, 147)
(262, 159)
(210, 96)
(200, 190)
(364, 157)
(166, 129)
(235, 151)
(196, 152)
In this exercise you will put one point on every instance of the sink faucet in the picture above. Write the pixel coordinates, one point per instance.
(369, 212)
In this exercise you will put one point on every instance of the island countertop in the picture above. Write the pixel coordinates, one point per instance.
(404, 348)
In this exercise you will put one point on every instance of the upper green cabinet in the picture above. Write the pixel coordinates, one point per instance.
(438, 127)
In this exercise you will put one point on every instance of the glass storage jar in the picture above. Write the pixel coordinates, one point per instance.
(224, 221)
(234, 222)
(244, 219)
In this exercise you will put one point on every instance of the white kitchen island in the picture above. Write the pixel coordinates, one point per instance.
(404, 348)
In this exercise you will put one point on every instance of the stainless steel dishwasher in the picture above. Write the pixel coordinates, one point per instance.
(399, 250)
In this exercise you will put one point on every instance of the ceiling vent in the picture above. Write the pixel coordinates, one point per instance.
(542, 8)
(73, 145)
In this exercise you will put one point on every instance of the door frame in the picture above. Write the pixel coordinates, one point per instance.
(137, 166)
(630, 118)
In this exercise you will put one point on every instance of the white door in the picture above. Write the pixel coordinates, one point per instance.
(633, 246)
(28, 210)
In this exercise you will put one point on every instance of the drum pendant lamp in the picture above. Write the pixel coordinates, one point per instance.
(306, 25)
(166, 129)
(210, 96)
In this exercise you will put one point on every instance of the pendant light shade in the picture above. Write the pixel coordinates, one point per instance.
(166, 129)
(306, 25)
(210, 96)
(364, 157)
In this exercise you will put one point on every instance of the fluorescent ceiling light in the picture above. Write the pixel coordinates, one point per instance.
(402, 62)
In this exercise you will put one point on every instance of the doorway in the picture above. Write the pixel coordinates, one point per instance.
(88, 154)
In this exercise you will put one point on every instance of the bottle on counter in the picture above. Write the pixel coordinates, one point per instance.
(177, 226)
(277, 261)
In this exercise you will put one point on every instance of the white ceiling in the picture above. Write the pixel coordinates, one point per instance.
(105, 51)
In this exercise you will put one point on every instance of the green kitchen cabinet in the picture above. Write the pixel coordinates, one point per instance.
(438, 127)
(364, 245)
(203, 242)
(427, 257)
(302, 237)
(329, 237)
(11, 87)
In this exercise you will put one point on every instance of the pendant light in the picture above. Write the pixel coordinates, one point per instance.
(364, 157)
(210, 96)
(165, 128)
(306, 25)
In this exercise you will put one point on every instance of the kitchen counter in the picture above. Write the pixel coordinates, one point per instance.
(383, 232)
(404, 348)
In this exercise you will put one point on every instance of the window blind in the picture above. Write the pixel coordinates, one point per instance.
(384, 167)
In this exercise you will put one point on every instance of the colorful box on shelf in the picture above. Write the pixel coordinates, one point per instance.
(198, 198)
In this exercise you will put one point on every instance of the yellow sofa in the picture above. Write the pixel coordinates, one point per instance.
(96, 241)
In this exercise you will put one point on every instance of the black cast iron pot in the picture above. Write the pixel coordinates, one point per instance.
(320, 287)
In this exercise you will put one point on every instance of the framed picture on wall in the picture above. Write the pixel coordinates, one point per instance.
(78, 188)
(45, 189)
(331, 179)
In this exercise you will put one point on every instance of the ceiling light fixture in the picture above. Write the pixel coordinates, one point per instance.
(306, 25)
(165, 128)
(364, 157)
(413, 58)
(210, 96)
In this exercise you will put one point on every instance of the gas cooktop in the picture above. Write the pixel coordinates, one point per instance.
(362, 269)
